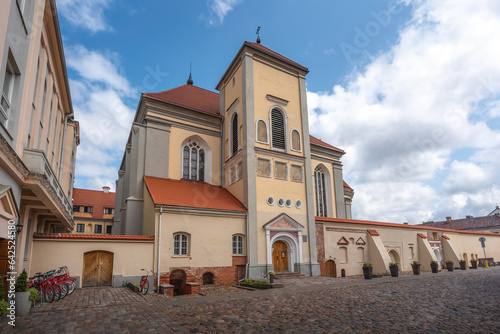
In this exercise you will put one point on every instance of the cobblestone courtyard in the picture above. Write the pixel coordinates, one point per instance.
(456, 302)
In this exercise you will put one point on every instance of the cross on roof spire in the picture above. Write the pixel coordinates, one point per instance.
(258, 36)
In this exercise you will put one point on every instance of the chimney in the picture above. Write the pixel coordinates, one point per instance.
(106, 189)
(448, 219)
(469, 217)
(405, 223)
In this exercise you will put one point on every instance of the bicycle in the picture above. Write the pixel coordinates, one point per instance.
(144, 284)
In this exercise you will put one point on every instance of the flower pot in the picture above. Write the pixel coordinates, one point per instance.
(271, 279)
(449, 265)
(463, 265)
(473, 264)
(434, 268)
(394, 271)
(416, 269)
(23, 304)
(367, 272)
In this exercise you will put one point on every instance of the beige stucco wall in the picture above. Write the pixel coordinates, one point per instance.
(128, 260)
(210, 238)
(469, 244)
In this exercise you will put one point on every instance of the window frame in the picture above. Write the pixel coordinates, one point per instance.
(320, 196)
(285, 128)
(98, 226)
(301, 175)
(270, 167)
(110, 227)
(190, 145)
(257, 131)
(78, 228)
(8, 96)
(279, 178)
(291, 141)
(234, 131)
(179, 248)
(110, 213)
(88, 209)
(239, 247)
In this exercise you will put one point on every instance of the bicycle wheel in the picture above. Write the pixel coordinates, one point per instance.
(64, 289)
(49, 293)
(57, 292)
(71, 288)
(145, 287)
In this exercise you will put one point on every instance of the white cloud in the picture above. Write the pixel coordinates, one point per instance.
(88, 14)
(408, 114)
(219, 9)
(98, 94)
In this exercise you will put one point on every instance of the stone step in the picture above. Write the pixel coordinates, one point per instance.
(284, 275)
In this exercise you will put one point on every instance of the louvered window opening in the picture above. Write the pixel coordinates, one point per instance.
(319, 182)
(278, 129)
(235, 134)
(193, 162)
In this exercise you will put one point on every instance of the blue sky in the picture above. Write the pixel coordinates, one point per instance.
(409, 89)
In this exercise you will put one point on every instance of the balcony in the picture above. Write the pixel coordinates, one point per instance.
(37, 163)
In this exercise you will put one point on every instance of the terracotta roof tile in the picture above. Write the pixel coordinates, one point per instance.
(373, 232)
(78, 236)
(423, 236)
(347, 186)
(472, 223)
(275, 54)
(316, 141)
(97, 199)
(417, 227)
(191, 194)
(191, 97)
(446, 237)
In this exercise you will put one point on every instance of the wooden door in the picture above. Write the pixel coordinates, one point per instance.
(4, 263)
(331, 268)
(97, 268)
(280, 256)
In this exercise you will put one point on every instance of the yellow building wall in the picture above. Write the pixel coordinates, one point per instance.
(231, 94)
(177, 137)
(149, 213)
(210, 239)
(237, 189)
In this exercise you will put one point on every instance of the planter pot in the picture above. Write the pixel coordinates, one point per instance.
(416, 269)
(434, 268)
(271, 279)
(23, 304)
(473, 264)
(463, 265)
(367, 272)
(394, 271)
(450, 266)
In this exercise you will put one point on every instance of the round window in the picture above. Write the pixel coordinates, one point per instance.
(270, 200)
(298, 204)
(281, 202)
(288, 203)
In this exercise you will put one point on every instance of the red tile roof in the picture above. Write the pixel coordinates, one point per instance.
(423, 236)
(78, 236)
(417, 227)
(191, 194)
(347, 186)
(446, 237)
(191, 97)
(373, 232)
(316, 141)
(472, 223)
(97, 199)
(275, 54)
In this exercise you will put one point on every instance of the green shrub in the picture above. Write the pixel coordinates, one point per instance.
(393, 264)
(2, 291)
(367, 265)
(416, 263)
(22, 282)
(33, 294)
(3, 307)
(260, 283)
(247, 281)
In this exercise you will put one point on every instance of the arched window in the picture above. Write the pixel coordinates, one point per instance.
(238, 245)
(181, 244)
(319, 183)
(278, 129)
(208, 278)
(261, 132)
(193, 162)
(295, 140)
(234, 129)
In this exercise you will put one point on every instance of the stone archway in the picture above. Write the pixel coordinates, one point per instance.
(393, 254)
(285, 247)
(178, 280)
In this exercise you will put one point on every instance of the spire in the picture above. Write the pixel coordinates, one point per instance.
(190, 80)
(258, 36)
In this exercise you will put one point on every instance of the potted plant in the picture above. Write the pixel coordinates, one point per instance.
(393, 267)
(416, 268)
(463, 265)
(449, 265)
(434, 267)
(473, 264)
(271, 276)
(367, 270)
(33, 295)
(23, 303)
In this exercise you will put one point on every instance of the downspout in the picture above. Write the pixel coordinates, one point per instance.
(61, 164)
(159, 248)
(222, 153)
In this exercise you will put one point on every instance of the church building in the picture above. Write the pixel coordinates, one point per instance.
(230, 183)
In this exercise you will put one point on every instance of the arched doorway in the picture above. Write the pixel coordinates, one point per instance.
(280, 256)
(178, 280)
(393, 254)
(97, 268)
(208, 278)
(331, 268)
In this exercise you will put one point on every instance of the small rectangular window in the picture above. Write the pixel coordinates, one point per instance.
(80, 228)
(7, 92)
(76, 208)
(87, 209)
(108, 211)
(263, 167)
(280, 170)
(98, 229)
(108, 229)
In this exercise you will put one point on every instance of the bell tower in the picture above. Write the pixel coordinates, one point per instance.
(267, 158)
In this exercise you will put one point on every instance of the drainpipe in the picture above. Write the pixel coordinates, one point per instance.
(64, 144)
(159, 248)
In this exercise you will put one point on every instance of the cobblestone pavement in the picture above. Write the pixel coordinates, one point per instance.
(448, 302)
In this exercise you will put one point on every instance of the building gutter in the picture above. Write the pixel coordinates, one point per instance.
(159, 248)
(61, 164)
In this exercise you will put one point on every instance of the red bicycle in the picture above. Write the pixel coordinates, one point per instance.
(144, 285)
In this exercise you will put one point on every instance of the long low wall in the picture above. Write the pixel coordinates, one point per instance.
(129, 256)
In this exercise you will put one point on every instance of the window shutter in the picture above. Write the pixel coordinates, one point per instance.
(278, 129)
(235, 134)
